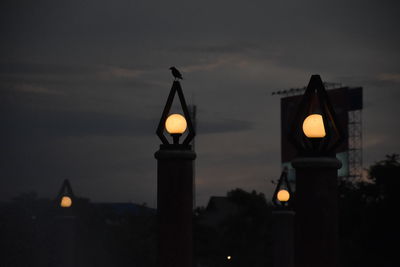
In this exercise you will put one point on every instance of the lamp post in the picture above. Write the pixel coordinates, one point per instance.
(175, 185)
(316, 135)
(65, 226)
(283, 223)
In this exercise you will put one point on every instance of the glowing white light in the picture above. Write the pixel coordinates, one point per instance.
(175, 124)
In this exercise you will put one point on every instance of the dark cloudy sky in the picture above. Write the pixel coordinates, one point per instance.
(83, 84)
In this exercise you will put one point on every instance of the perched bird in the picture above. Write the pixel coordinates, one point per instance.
(175, 72)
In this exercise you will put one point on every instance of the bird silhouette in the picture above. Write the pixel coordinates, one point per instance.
(175, 72)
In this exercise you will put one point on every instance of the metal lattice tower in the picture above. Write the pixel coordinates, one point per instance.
(193, 115)
(355, 144)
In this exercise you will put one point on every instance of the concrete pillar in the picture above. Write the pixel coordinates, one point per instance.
(175, 205)
(283, 238)
(65, 241)
(316, 219)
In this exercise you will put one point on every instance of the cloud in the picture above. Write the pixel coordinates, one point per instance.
(206, 66)
(389, 77)
(216, 48)
(374, 140)
(31, 88)
(29, 68)
(116, 72)
(44, 124)
(223, 126)
(60, 72)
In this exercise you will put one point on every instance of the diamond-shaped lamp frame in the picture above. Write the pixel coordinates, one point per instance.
(176, 88)
(283, 183)
(66, 190)
(316, 98)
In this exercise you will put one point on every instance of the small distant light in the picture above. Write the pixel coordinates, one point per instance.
(228, 258)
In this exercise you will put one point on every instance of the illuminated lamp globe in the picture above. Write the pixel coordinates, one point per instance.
(66, 202)
(313, 126)
(175, 124)
(228, 257)
(283, 195)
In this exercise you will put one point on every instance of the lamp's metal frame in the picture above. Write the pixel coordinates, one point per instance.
(316, 96)
(283, 183)
(176, 88)
(66, 190)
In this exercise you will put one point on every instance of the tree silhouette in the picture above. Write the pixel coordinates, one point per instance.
(369, 224)
(244, 235)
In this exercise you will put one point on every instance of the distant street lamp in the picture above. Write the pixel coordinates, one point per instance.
(283, 223)
(65, 196)
(66, 226)
(175, 184)
(283, 195)
(316, 134)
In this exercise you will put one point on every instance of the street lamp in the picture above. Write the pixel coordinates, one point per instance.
(66, 225)
(282, 197)
(176, 124)
(316, 134)
(65, 197)
(283, 223)
(315, 130)
(175, 184)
